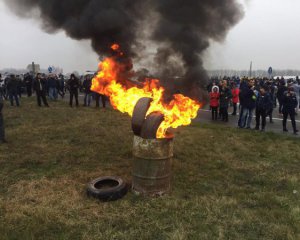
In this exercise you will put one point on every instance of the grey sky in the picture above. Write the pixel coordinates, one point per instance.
(268, 35)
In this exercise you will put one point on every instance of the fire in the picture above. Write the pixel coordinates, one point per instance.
(115, 47)
(124, 95)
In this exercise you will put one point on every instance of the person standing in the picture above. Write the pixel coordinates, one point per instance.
(243, 86)
(97, 100)
(249, 99)
(2, 132)
(235, 98)
(40, 87)
(73, 87)
(52, 87)
(214, 96)
(296, 88)
(2, 87)
(28, 83)
(12, 89)
(263, 105)
(87, 83)
(61, 86)
(225, 96)
(289, 103)
(280, 94)
(19, 85)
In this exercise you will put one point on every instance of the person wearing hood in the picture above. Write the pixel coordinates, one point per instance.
(214, 97)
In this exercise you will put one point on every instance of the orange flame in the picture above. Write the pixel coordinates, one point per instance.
(123, 96)
(115, 47)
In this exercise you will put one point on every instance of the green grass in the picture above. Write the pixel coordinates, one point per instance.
(227, 183)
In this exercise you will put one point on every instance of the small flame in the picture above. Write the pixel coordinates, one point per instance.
(123, 96)
(115, 47)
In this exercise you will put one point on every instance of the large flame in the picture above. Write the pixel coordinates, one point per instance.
(124, 95)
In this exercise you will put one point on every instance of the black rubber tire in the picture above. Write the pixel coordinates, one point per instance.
(116, 190)
(151, 125)
(139, 114)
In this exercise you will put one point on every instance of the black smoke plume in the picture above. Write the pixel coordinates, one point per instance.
(183, 28)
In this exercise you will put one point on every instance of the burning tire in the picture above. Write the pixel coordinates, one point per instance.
(139, 114)
(151, 125)
(107, 188)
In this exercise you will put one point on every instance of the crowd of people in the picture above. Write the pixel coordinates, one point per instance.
(248, 96)
(49, 87)
(255, 95)
(46, 88)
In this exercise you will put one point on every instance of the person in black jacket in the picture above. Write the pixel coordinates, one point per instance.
(289, 103)
(2, 133)
(249, 100)
(73, 84)
(87, 83)
(40, 87)
(225, 96)
(281, 90)
(12, 89)
(28, 82)
(263, 106)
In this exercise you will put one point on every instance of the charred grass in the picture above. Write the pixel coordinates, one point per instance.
(227, 184)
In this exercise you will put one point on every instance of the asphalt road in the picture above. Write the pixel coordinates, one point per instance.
(204, 116)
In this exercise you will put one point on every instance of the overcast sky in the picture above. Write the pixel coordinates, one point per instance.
(268, 35)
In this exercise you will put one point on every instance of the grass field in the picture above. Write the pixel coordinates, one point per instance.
(227, 184)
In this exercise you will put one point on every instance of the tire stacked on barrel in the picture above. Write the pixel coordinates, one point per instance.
(152, 157)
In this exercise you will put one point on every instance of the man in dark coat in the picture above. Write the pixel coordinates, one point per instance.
(12, 89)
(2, 133)
(87, 83)
(28, 82)
(73, 84)
(281, 90)
(249, 99)
(103, 100)
(289, 103)
(40, 87)
(225, 96)
(243, 86)
(263, 106)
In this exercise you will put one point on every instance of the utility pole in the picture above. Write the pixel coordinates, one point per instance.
(250, 72)
(33, 69)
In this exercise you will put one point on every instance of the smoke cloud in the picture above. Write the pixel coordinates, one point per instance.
(182, 29)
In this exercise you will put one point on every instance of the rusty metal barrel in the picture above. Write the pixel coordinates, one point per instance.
(152, 166)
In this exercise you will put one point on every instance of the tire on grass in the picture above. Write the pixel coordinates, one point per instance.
(107, 188)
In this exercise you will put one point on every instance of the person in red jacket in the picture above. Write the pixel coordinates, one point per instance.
(235, 98)
(214, 97)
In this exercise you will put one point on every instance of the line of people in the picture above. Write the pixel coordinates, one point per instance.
(50, 87)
